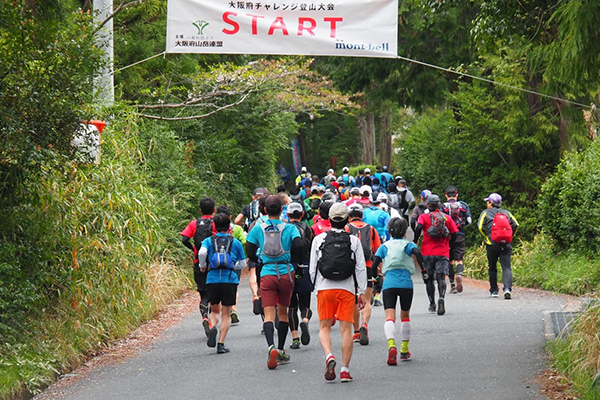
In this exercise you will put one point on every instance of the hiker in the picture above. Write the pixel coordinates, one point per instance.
(498, 226)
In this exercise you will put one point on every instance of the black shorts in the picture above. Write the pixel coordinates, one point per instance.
(223, 293)
(457, 248)
(392, 294)
(436, 264)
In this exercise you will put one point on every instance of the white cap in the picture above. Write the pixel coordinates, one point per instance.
(367, 170)
(382, 197)
(366, 188)
(330, 171)
(303, 169)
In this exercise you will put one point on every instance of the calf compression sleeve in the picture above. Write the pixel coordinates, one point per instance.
(282, 329)
(405, 335)
(390, 329)
(269, 333)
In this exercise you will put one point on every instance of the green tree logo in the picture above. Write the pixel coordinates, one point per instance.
(200, 25)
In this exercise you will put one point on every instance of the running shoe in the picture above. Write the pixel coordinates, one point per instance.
(257, 306)
(356, 337)
(494, 294)
(330, 368)
(282, 357)
(392, 356)
(345, 376)
(364, 335)
(441, 308)
(212, 337)
(206, 325)
(507, 295)
(376, 303)
(221, 348)
(405, 356)
(295, 343)
(432, 307)
(459, 285)
(272, 359)
(304, 333)
(234, 317)
(453, 289)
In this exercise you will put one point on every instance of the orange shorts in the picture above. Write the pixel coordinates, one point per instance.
(336, 302)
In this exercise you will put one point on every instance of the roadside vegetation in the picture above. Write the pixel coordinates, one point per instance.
(88, 252)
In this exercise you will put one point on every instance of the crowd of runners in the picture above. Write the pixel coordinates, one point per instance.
(345, 239)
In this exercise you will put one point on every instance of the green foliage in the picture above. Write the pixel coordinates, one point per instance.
(47, 62)
(576, 356)
(84, 257)
(570, 201)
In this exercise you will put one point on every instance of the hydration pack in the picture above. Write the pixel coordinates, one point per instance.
(337, 260)
(272, 247)
(454, 209)
(221, 256)
(364, 235)
(438, 228)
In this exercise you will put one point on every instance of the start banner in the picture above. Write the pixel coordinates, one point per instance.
(359, 28)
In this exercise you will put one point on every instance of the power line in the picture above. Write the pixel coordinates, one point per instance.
(492, 82)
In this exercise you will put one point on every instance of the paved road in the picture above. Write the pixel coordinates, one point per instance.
(482, 348)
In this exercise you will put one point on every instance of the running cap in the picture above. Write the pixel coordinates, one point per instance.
(425, 194)
(338, 212)
(355, 209)
(366, 189)
(258, 191)
(382, 197)
(374, 200)
(330, 171)
(433, 199)
(385, 168)
(295, 208)
(494, 198)
(367, 170)
(328, 197)
(345, 170)
(321, 188)
(303, 169)
(355, 190)
(314, 189)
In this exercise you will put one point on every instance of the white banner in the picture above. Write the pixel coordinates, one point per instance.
(361, 28)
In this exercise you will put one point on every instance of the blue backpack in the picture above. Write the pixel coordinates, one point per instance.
(221, 256)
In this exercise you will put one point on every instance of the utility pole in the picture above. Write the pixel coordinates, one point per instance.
(105, 82)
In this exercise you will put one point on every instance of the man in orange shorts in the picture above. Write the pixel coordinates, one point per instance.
(337, 266)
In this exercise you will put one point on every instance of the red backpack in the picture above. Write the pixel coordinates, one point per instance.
(501, 230)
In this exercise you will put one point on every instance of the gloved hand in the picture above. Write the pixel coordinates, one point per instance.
(424, 274)
(299, 272)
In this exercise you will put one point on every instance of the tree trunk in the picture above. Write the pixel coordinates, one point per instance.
(371, 138)
(364, 141)
(563, 124)
(385, 136)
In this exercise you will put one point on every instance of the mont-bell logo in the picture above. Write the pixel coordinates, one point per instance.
(200, 25)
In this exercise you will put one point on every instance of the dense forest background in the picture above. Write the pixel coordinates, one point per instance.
(87, 252)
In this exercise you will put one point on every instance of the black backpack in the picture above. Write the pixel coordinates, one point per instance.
(337, 260)
(438, 228)
(402, 203)
(203, 230)
(307, 235)
(364, 235)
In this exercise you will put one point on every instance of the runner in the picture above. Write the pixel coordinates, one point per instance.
(354, 196)
(303, 285)
(461, 215)
(251, 211)
(219, 257)
(237, 232)
(437, 229)
(280, 246)
(395, 259)
(200, 229)
(407, 199)
(337, 266)
(369, 239)
(421, 208)
(346, 178)
(322, 223)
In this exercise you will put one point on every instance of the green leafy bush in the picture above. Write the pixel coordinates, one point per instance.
(570, 201)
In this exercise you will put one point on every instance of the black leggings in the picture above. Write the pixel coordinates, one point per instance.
(441, 281)
(299, 300)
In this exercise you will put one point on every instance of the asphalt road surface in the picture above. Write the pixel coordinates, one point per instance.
(482, 348)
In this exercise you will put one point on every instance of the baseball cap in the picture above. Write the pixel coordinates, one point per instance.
(355, 190)
(295, 208)
(432, 199)
(382, 197)
(345, 170)
(451, 190)
(366, 188)
(273, 203)
(314, 189)
(258, 191)
(304, 169)
(328, 196)
(425, 193)
(367, 170)
(330, 171)
(494, 198)
(338, 212)
(322, 188)
(374, 200)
